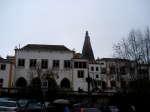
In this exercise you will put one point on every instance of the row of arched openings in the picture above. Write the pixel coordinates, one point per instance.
(21, 82)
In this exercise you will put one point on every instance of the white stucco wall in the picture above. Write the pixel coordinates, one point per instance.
(27, 55)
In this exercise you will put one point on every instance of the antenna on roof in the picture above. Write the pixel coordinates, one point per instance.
(19, 45)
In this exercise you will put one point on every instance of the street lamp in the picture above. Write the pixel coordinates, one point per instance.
(88, 80)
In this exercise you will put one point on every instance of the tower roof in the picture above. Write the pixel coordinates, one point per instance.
(87, 51)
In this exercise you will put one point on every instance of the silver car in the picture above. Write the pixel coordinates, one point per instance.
(12, 106)
(114, 108)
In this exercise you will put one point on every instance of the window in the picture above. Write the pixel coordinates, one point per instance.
(80, 74)
(1, 83)
(112, 70)
(97, 76)
(103, 70)
(123, 84)
(97, 69)
(56, 63)
(33, 62)
(113, 83)
(21, 62)
(80, 65)
(3, 66)
(92, 68)
(44, 63)
(66, 63)
(98, 83)
(122, 70)
(101, 63)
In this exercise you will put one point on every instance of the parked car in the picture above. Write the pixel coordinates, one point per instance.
(9, 99)
(10, 106)
(102, 106)
(88, 110)
(113, 108)
(35, 107)
(25, 102)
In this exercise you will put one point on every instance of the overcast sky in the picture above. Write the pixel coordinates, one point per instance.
(64, 22)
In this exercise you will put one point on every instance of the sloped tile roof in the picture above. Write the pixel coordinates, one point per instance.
(45, 47)
(6, 61)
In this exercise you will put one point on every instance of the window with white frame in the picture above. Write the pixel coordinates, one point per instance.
(97, 69)
(44, 63)
(80, 74)
(66, 63)
(32, 63)
(56, 63)
(92, 68)
(3, 67)
(80, 64)
(97, 76)
(21, 62)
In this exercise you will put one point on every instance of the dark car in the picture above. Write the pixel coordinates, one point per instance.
(25, 102)
(88, 110)
(8, 99)
(35, 107)
(102, 106)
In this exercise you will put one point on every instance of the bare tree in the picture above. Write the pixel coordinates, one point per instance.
(36, 74)
(135, 50)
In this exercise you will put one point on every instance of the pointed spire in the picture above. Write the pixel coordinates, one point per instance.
(86, 35)
(87, 52)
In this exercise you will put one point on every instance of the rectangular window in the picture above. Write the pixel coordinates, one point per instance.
(97, 76)
(112, 70)
(80, 74)
(113, 83)
(21, 62)
(92, 68)
(103, 70)
(66, 63)
(122, 70)
(80, 65)
(123, 84)
(98, 83)
(33, 62)
(3, 66)
(56, 63)
(101, 63)
(44, 63)
(1, 83)
(97, 69)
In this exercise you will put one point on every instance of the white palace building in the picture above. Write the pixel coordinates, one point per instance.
(72, 68)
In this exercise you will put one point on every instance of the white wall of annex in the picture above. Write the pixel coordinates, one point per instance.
(80, 82)
(4, 74)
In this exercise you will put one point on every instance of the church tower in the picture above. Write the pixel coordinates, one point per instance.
(87, 52)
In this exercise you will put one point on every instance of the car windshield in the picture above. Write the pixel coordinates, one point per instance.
(22, 102)
(113, 107)
(8, 104)
(92, 110)
(36, 107)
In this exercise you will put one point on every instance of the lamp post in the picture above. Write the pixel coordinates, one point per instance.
(88, 80)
